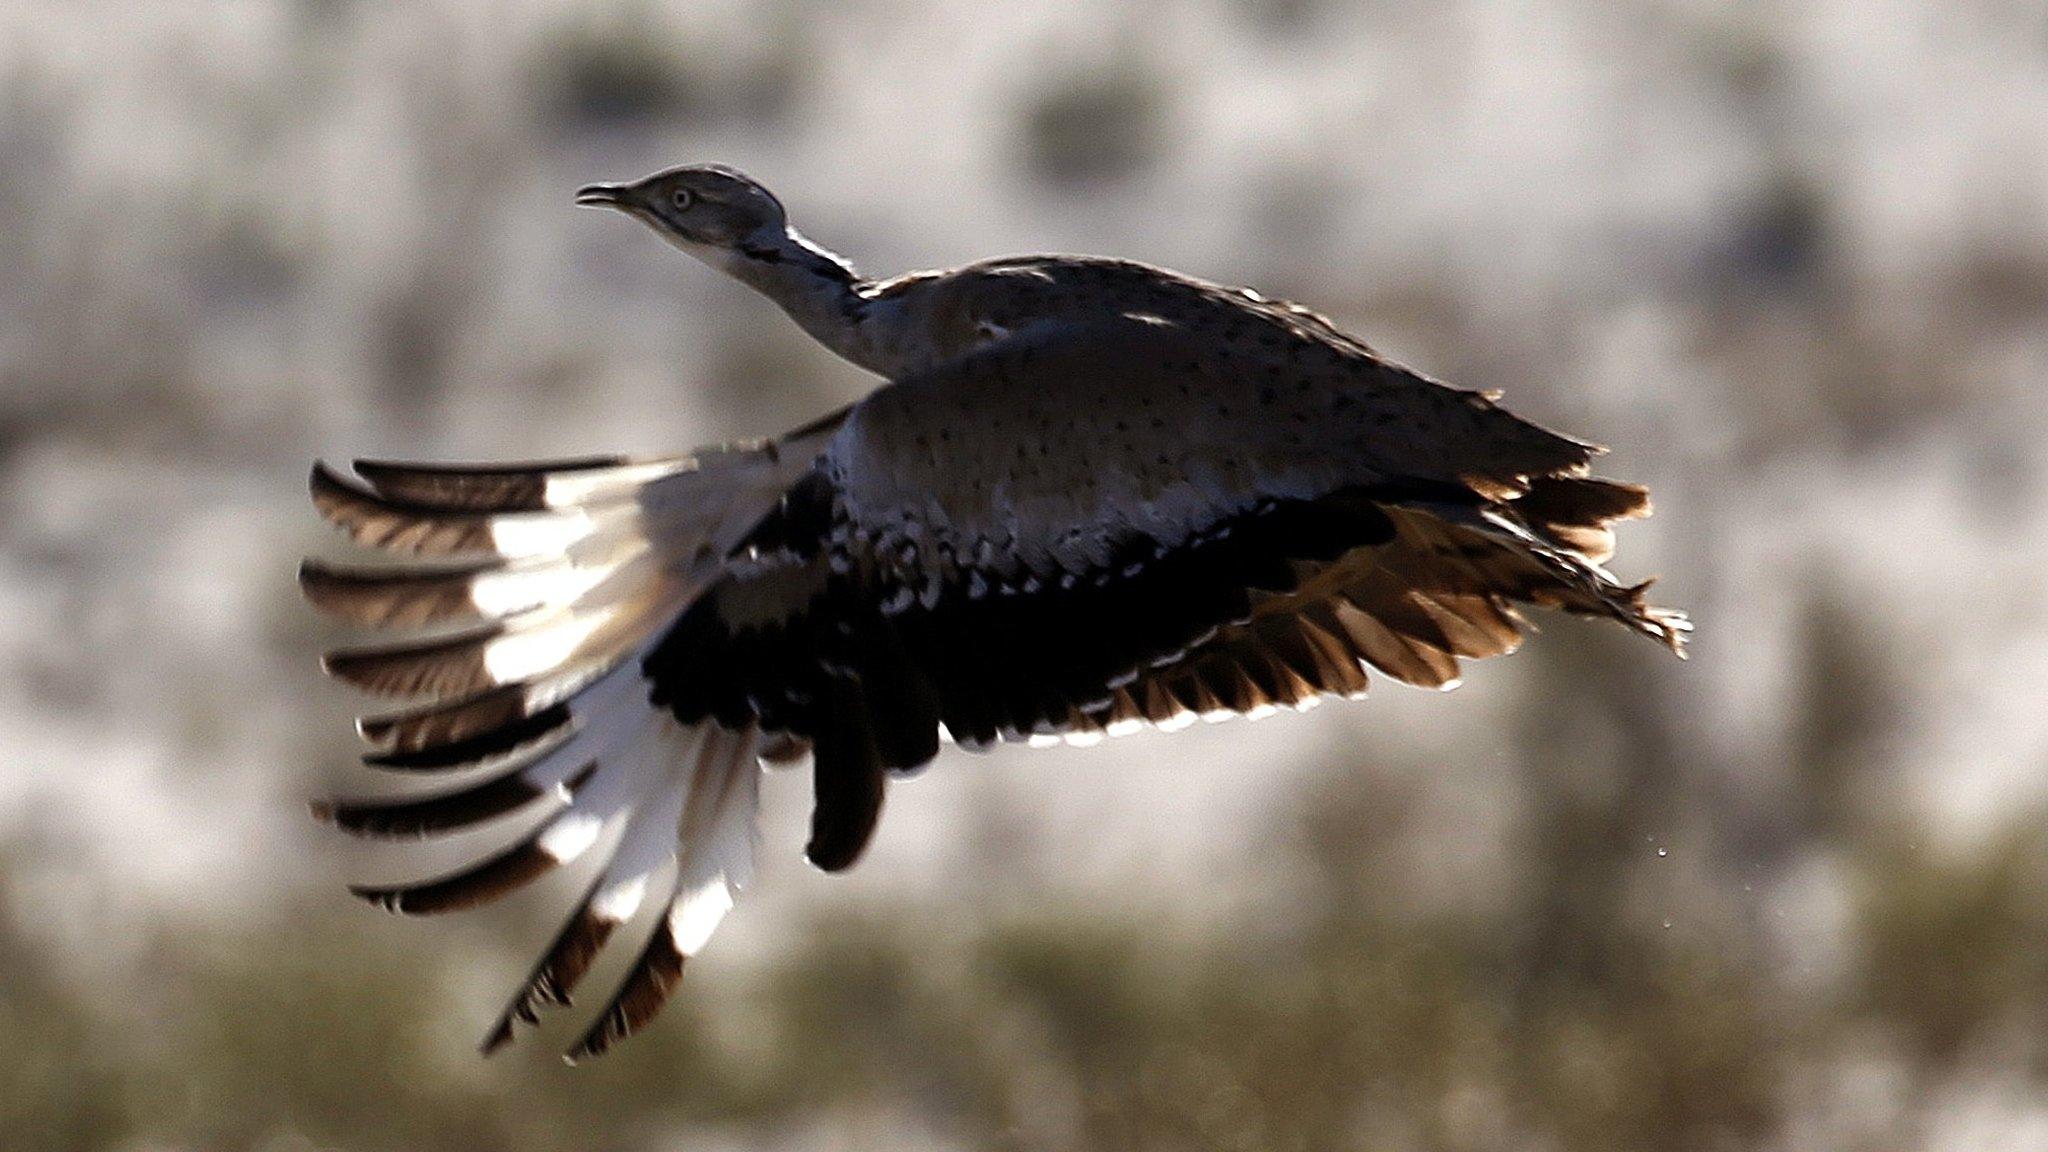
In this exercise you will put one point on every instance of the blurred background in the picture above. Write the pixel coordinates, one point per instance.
(1789, 258)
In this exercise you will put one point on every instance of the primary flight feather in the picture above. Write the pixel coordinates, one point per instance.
(1092, 496)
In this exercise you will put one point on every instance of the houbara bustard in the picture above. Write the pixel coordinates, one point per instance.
(1092, 496)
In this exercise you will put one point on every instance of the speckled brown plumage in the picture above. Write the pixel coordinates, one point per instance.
(1091, 496)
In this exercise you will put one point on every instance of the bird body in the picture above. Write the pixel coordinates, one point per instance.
(1092, 496)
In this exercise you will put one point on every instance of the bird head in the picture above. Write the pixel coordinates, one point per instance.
(707, 210)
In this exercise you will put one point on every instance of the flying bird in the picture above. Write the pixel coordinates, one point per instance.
(1091, 496)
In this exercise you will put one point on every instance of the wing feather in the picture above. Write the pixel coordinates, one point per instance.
(711, 859)
(518, 487)
(406, 526)
(567, 574)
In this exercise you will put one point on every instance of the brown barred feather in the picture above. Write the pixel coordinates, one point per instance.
(559, 970)
(1158, 702)
(445, 812)
(441, 667)
(397, 526)
(1575, 512)
(484, 487)
(645, 990)
(524, 711)
(1404, 657)
(480, 883)
(1477, 625)
(394, 597)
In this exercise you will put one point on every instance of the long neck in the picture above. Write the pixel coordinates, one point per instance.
(818, 289)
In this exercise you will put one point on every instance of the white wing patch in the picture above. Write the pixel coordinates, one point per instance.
(575, 573)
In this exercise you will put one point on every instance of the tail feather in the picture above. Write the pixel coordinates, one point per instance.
(1505, 559)
(1576, 512)
(1444, 588)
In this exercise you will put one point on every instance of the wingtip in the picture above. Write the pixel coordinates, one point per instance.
(338, 497)
(522, 1010)
(595, 1042)
(325, 477)
(389, 899)
(499, 1036)
(602, 1037)
(1670, 625)
(639, 999)
(1676, 630)
(321, 586)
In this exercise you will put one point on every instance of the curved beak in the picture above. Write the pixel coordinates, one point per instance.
(601, 195)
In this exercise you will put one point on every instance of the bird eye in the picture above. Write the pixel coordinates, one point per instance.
(681, 198)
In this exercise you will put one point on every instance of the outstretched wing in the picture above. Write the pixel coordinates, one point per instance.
(541, 589)
(1080, 530)
(1076, 531)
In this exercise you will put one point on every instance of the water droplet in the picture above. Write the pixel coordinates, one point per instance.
(1667, 925)
(1662, 852)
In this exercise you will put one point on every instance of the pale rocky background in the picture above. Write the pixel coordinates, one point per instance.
(1790, 259)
